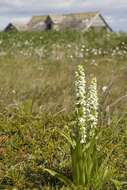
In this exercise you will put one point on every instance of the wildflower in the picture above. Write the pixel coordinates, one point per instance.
(123, 43)
(13, 91)
(69, 45)
(80, 89)
(81, 55)
(86, 107)
(94, 62)
(26, 42)
(92, 107)
(104, 88)
(95, 53)
(83, 46)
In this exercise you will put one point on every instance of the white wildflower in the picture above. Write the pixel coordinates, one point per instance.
(86, 108)
(92, 107)
(82, 49)
(93, 62)
(13, 91)
(83, 46)
(104, 88)
(80, 89)
(69, 45)
(95, 53)
(26, 42)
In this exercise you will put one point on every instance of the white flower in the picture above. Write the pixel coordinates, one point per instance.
(104, 88)
(80, 89)
(69, 45)
(92, 107)
(13, 91)
(86, 108)
(26, 42)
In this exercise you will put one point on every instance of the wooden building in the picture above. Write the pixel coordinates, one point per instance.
(78, 21)
(16, 27)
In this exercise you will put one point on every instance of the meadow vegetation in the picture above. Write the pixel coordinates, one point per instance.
(37, 73)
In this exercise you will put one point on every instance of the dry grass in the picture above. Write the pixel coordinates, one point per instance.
(37, 96)
(50, 84)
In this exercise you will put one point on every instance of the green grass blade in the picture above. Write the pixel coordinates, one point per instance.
(68, 138)
(61, 177)
(117, 184)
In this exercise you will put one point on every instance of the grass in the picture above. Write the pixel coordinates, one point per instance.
(37, 97)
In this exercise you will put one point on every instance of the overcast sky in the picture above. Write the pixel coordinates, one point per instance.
(114, 11)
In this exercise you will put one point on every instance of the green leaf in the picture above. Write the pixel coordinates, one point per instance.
(68, 138)
(117, 184)
(86, 147)
(61, 177)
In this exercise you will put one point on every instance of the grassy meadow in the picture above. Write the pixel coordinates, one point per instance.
(37, 73)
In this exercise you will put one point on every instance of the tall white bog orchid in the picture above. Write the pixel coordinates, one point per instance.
(92, 107)
(80, 106)
(88, 170)
(86, 107)
(86, 115)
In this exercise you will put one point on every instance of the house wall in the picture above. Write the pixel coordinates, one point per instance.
(98, 24)
(56, 27)
(40, 26)
(68, 23)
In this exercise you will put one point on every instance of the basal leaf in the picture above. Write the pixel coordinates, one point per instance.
(61, 177)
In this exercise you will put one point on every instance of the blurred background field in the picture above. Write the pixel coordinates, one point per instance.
(37, 73)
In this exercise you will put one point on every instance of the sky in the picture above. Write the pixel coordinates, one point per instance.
(114, 11)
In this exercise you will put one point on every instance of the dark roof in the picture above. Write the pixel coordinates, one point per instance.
(16, 26)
